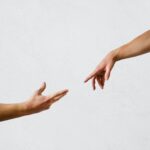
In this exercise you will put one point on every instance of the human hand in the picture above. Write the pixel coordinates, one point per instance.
(103, 70)
(39, 102)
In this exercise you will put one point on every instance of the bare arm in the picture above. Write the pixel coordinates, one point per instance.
(34, 104)
(138, 46)
(9, 111)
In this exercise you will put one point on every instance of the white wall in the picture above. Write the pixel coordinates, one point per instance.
(60, 42)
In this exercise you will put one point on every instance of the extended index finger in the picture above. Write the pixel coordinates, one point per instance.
(55, 99)
(90, 76)
(59, 93)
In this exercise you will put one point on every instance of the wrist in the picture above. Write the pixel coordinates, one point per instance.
(117, 54)
(121, 52)
(23, 109)
(114, 55)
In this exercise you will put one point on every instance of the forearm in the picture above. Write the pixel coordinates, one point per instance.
(138, 46)
(10, 111)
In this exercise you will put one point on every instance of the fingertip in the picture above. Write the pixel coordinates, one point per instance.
(86, 80)
(66, 90)
(107, 78)
(44, 84)
(89, 77)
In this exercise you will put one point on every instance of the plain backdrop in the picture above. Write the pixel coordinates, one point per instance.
(61, 42)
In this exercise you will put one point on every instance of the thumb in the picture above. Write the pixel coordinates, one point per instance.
(41, 89)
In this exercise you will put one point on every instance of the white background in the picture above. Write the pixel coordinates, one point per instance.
(61, 42)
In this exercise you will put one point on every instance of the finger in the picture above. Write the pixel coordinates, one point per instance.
(90, 76)
(101, 78)
(94, 73)
(107, 74)
(58, 98)
(103, 81)
(58, 94)
(99, 81)
(93, 83)
(41, 89)
(54, 99)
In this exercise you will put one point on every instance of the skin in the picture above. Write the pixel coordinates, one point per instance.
(138, 46)
(35, 104)
(39, 102)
